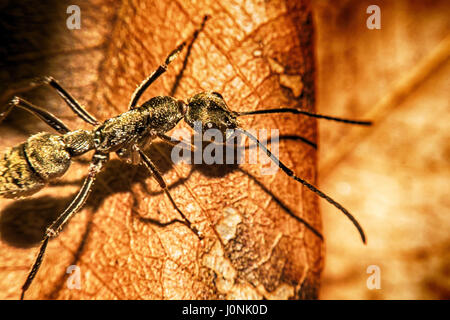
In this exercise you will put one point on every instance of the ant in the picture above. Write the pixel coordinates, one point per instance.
(28, 167)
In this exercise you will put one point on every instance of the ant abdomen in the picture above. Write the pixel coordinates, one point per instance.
(27, 167)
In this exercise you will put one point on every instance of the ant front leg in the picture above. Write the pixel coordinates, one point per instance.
(176, 83)
(155, 75)
(96, 165)
(157, 175)
(163, 68)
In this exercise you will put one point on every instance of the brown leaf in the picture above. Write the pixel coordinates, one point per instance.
(394, 175)
(257, 55)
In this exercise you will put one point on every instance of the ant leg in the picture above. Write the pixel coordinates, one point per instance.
(161, 69)
(175, 142)
(70, 101)
(152, 168)
(155, 75)
(96, 165)
(35, 268)
(45, 116)
(176, 83)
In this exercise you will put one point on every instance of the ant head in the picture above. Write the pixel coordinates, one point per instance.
(209, 109)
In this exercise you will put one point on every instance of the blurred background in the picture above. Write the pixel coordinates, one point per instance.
(395, 175)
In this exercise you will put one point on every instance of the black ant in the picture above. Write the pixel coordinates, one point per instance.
(29, 166)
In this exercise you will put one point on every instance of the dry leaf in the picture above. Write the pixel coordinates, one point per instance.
(394, 176)
(257, 54)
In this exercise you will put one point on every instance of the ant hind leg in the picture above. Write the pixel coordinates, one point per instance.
(68, 98)
(45, 116)
(96, 165)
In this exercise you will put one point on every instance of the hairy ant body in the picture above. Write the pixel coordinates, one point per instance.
(29, 166)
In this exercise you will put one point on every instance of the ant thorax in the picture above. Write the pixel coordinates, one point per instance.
(157, 115)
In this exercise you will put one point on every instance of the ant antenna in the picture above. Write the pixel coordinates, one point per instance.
(291, 174)
(306, 113)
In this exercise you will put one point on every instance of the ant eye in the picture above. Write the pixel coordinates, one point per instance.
(217, 94)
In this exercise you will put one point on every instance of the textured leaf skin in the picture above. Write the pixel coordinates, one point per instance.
(257, 55)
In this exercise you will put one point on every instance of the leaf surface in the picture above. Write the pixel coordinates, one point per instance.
(257, 55)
